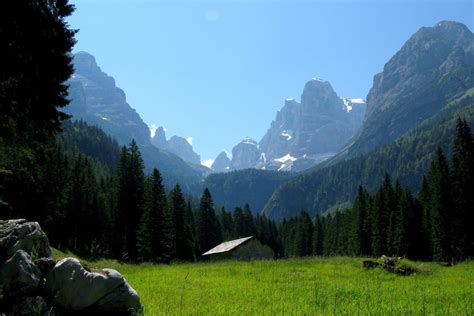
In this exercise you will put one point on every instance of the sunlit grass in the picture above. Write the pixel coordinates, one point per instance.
(313, 286)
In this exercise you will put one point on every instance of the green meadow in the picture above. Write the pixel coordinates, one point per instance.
(311, 286)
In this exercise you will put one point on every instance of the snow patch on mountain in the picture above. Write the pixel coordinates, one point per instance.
(287, 135)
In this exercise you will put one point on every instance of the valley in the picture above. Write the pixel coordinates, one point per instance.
(345, 204)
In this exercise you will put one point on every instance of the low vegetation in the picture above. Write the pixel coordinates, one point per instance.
(305, 286)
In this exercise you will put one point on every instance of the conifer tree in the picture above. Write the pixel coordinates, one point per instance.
(227, 224)
(424, 197)
(384, 204)
(440, 207)
(183, 237)
(463, 184)
(150, 238)
(208, 230)
(304, 235)
(249, 224)
(318, 236)
(130, 194)
(239, 223)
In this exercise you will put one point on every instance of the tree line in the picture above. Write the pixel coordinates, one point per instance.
(435, 225)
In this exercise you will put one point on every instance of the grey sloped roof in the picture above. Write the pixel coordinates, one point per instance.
(227, 246)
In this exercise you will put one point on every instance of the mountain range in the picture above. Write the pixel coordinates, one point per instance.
(302, 133)
(329, 144)
(411, 108)
(98, 101)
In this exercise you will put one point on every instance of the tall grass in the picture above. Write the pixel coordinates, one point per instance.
(312, 286)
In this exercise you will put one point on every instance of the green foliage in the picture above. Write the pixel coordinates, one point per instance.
(150, 235)
(250, 186)
(208, 230)
(406, 159)
(36, 39)
(309, 286)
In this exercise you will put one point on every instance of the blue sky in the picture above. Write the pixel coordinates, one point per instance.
(218, 71)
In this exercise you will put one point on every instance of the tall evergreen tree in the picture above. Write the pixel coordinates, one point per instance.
(239, 223)
(249, 224)
(462, 176)
(208, 230)
(440, 207)
(227, 224)
(318, 236)
(304, 235)
(150, 239)
(130, 197)
(384, 204)
(183, 236)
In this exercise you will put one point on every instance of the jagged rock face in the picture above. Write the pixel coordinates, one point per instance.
(434, 66)
(180, 147)
(19, 275)
(246, 155)
(159, 139)
(96, 100)
(279, 139)
(176, 145)
(323, 124)
(19, 234)
(101, 99)
(222, 163)
(304, 134)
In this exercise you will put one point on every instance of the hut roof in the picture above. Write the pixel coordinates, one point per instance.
(227, 246)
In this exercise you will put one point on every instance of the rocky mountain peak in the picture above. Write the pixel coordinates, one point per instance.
(159, 139)
(303, 134)
(222, 163)
(85, 62)
(435, 65)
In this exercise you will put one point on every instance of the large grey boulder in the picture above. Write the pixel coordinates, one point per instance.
(123, 298)
(19, 234)
(19, 276)
(72, 288)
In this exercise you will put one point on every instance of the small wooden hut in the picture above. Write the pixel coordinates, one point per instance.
(245, 249)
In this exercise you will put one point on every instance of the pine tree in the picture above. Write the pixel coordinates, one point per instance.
(400, 222)
(183, 237)
(424, 197)
(359, 241)
(239, 223)
(249, 224)
(318, 236)
(227, 224)
(384, 204)
(440, 207)
(304, 235)
(150, 240)
(463, 183)
(130, 195)
(208, 230)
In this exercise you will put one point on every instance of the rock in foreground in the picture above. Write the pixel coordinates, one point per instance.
(33, 283)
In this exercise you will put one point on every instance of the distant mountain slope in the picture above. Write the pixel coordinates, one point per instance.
(245, 186)
(434, 66)
(96, 100)
(303, 134)
(176, 145)
(91, 141)
(406, 159)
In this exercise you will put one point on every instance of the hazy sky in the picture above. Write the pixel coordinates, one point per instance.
(218, 71)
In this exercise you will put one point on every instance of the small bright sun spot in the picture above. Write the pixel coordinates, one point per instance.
(212, 15)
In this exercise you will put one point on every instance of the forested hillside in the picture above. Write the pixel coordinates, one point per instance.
(436, 225)
(407, 159)
(250, 186)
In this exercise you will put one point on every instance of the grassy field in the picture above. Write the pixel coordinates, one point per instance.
(313, 286)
